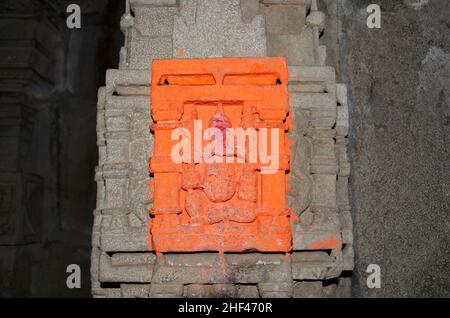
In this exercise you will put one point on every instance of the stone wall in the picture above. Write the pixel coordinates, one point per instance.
(398, 79)
(48, 81)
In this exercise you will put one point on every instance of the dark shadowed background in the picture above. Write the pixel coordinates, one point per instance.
(49, 76)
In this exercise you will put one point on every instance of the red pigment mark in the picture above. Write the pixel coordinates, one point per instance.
(203, 273)
(221, 122)
(294, 216)
(151, 189)
(331, 242)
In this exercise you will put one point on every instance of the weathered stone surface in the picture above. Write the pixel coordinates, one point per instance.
(316, 266)
(224, 291)
(298, 48)
(135, 291)
(206, 38)
(398, 82)
(293, 17)
(211, 268)
(166, 290)
(129, 268)
(195, 29)
(248, 291)
(308, 290)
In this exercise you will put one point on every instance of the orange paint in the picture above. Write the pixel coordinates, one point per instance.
(149, 237)
(225, 207)
(329, 243)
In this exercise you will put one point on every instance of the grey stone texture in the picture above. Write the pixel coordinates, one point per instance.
(320, 168)
(398, 79)
(217, 30)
